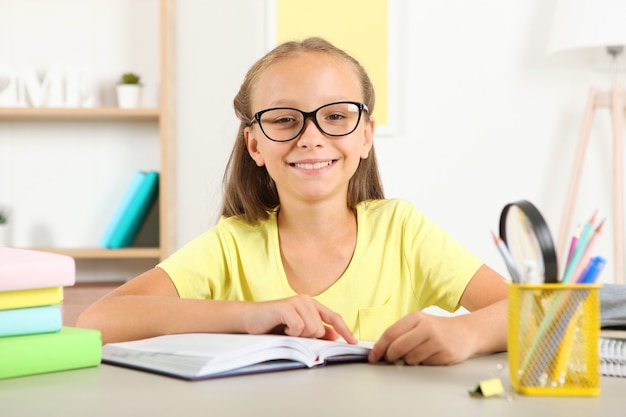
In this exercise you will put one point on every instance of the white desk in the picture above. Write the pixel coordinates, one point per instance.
(345, 390)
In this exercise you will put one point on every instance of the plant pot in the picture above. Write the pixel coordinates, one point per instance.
(5, 238)
(128, 96)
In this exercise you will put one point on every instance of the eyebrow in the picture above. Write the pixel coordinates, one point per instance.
(290, 103)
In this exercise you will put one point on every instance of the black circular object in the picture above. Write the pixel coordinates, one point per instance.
(528, 237)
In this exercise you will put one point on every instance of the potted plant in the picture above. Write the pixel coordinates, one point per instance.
(4, 229)
(129, 91)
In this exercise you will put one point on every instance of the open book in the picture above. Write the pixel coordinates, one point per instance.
(209, 355)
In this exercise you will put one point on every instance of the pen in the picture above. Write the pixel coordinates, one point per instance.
(508, 260)
(593, 269)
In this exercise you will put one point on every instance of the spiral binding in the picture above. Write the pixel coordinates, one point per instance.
(613, 357)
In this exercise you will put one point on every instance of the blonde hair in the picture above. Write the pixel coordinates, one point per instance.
(249, 191)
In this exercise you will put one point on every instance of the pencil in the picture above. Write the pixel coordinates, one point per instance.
(584, 259)
(508, 260)
(572, 246)
(585, 235)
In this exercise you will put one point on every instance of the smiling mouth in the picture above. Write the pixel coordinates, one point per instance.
(316, 165)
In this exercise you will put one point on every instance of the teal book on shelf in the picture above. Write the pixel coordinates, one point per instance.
(148, 234)
(135, 212)
(121, 209)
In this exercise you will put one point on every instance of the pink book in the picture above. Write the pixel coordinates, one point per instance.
(22, 269)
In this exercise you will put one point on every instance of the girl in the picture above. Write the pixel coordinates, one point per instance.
(307, 245)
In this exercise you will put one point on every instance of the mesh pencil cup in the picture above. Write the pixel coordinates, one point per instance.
(553, 332)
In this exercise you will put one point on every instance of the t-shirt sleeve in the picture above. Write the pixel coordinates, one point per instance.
(198, 268)
(444, 267)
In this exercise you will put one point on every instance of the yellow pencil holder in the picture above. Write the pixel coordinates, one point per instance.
(553, 332)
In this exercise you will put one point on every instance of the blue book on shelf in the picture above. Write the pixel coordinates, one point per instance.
(135, 212)
(121, 209)
(31, 320)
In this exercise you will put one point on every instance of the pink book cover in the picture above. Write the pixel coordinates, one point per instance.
(23, 269)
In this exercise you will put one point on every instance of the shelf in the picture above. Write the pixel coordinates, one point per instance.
(99, 253)
(74, 114)
(154, 127)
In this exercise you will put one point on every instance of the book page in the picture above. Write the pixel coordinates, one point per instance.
(203, 354)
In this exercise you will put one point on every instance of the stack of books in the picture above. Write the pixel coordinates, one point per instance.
(32, 337)
(135, 220)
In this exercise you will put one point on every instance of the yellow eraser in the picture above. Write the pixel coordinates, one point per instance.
(488, 388)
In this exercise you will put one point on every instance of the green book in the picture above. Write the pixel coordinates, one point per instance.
(71, 348)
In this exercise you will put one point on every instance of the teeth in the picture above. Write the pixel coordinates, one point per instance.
(316, 165)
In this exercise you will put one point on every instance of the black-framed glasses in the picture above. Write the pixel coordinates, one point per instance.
(282, 124)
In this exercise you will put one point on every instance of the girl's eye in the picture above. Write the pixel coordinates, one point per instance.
(335, 117)
(284, 120)
(280, 117)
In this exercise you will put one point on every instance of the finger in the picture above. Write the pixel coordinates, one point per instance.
(302, 319)
(424, 353)
(386, 345)
(331, 334)
(311, 317)
(433, 353)
(293, 324)
(382, 345)
(379, 349)
(338, 325)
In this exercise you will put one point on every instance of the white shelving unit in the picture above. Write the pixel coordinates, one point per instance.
(48, 215)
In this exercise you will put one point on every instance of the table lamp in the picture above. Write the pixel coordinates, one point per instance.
(590, 32)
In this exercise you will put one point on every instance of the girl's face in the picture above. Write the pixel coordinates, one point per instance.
(313, 166)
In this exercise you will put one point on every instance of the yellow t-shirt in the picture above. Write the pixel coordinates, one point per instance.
(402, 262)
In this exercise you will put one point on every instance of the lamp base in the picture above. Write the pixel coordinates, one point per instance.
(614, 100)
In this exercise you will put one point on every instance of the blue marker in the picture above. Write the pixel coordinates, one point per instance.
(591, 272)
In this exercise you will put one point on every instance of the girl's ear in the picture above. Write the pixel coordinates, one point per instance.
(253, 146)
(368, 138)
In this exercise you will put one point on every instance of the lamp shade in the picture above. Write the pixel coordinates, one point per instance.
(587, 28)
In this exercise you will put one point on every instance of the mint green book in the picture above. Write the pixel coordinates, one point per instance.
(31, 320)
(71, 348)
(136, 212)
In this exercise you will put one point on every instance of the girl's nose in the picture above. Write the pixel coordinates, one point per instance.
(311, 135)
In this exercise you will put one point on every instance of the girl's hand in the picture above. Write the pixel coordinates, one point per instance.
(420, 338)
(300, 316)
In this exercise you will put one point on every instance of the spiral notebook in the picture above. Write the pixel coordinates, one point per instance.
(613, 352)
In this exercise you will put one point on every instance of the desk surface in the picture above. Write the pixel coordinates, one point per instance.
(337, 390)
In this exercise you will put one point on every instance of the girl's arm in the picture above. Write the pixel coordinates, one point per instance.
(149, 305)
(421, 338)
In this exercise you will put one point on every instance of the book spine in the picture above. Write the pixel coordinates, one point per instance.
(30, 298)
(31, 320)
(136, 212)
(149, 231)
(105, 240)
(71, 348)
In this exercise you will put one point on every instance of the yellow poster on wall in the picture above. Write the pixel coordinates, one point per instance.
(357, 26)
